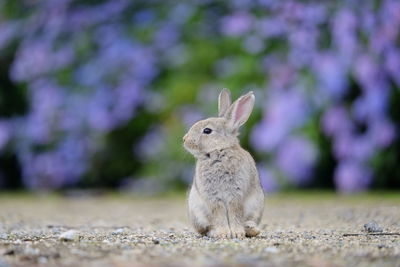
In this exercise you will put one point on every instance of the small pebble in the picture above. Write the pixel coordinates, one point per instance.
(71, 235)
(3, 236)
(118, 231)
(156, 241)
(271, 250)
(372, 227)
(31, 251)
(42, 260)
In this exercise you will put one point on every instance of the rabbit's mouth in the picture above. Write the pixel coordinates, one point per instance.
(191, 148)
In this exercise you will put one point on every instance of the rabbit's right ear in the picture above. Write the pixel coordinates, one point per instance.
(224, 102)
(240, 111)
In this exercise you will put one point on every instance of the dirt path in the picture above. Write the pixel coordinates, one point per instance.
(126, 231)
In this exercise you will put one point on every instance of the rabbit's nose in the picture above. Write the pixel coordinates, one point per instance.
(184, 137)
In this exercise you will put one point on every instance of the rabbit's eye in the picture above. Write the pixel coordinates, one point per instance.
(207, 130)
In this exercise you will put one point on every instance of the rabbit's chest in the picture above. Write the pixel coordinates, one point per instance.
(222, 178)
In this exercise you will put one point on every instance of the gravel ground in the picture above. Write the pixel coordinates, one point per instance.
(114, 230)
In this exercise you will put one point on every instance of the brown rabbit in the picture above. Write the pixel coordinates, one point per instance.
(226, 199)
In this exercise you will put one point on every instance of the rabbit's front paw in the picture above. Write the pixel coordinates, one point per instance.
(251, 229)
(237, 232)
(220, 232)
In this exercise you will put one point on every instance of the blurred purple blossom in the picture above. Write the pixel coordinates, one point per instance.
(351, 177)
(351, 146)
(253, 44)
(366, 70)
(99, 110)
(344, 33)
(285, 111)
(270, 27)
(150, 145)
(336, 121)
(87, 16)
(225, 67)
(144, 17)
(296, 158)
(392, 64)
(236, 24)
(176, 56)
(128, 96)
(5, 133)
(190, 115)
(8, 32)
(268, 179)
(331, 75)
(382, 132)
(181, 12)
(166, 36)
(372, 103)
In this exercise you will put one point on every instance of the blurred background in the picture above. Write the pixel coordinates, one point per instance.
(98, 93)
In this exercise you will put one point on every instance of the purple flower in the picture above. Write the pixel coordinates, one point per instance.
(365, 70)
(150, 146)
(268, 179)
(37, 129)
(190, 115)
(296, 158)
(382, 132)
(285, 111)
(127, 97)
(331, 75)
(282, 75)
(270, 27)
(176, 56)
(392, 64)
(73, 153)
(242, 4)
(351, 177)
(344, 32)
(99, 110)
(181, 12)
(90, 73)
(236, 24)
(32, 59)
(372, 103)
(266, 137)
(144, 17)
(73, 114)
(315, 14)
(166, 36)
(47, 171)
(5, 133)
(46, 97)
(225, 67)
(8, 32)
(253, 44)
(302, 47)
(336, 121)
(351, 146)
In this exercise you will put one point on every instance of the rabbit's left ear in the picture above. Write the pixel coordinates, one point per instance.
(224, 102)
(240, 111)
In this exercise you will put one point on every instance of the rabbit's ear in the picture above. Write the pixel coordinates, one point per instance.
(224, 102)
(240, 111)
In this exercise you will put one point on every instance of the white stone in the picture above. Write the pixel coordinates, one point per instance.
(271, 250)
(71, 235)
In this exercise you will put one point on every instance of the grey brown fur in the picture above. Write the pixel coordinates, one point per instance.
(226, 199)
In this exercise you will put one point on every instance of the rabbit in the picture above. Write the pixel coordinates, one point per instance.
(226, 199)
